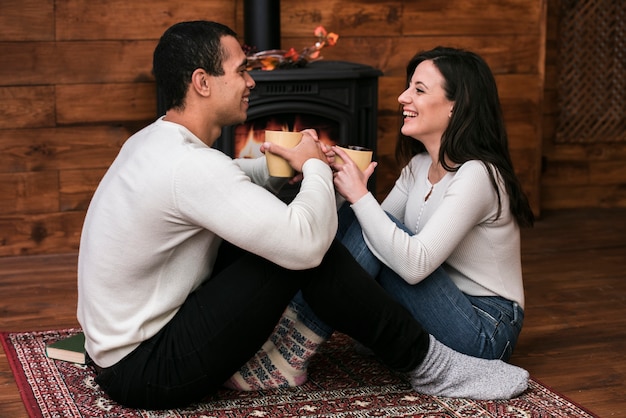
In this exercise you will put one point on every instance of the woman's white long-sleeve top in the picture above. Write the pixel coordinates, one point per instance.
(455, 227)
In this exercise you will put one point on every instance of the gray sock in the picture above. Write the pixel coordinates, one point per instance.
(445, 372)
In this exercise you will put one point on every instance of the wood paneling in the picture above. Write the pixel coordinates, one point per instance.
(76, 62)
(77, 188)
(33, 192)
(476, 17)
(91, 103)
(590, 196)
(60, 148)
(348, 18)
(47, 233)
(26, 20)
(575, 175)
(507, 54)
(76, 82)
(132, 20)
(26, 107)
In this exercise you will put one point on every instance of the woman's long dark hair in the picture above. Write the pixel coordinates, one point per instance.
(476, 130)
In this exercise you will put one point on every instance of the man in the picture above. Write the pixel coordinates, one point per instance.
(168, 316)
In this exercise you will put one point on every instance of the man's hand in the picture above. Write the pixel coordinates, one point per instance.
(309, 147)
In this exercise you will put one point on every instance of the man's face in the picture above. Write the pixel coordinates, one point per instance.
(232, 90)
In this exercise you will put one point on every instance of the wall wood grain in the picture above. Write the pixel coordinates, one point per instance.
(75, 82)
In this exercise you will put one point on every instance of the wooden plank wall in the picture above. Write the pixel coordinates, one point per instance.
(576, 175)
(75, 82)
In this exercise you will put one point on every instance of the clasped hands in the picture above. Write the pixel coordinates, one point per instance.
(350, 182)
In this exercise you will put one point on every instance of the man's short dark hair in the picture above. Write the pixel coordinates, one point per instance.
(183, 48)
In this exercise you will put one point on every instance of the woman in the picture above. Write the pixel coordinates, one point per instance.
(446, 241)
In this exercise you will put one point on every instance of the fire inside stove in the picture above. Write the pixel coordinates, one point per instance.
(249, 136)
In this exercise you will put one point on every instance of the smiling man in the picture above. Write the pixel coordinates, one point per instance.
(187, 261)
(154, 226)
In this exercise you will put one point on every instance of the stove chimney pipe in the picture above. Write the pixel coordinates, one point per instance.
(261, 20)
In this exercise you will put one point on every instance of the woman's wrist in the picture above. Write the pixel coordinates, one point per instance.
(356, 196)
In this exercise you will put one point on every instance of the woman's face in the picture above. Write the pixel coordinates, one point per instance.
(425, 108)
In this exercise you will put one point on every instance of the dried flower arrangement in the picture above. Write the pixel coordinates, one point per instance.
(278, 58)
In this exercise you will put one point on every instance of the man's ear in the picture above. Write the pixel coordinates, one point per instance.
(201, 82)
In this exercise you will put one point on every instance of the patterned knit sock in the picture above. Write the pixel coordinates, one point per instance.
(282, 361)
(445, 372)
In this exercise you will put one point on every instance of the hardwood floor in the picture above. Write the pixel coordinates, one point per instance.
(574, 336)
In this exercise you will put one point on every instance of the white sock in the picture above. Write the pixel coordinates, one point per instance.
(445, 372)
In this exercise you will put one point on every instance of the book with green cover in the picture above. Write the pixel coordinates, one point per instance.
(70, 349)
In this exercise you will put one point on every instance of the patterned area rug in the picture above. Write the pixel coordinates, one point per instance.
(342, 383)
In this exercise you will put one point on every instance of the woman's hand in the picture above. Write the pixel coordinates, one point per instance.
(350, 181)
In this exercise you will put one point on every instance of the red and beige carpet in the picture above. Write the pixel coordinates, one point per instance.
(342, 383)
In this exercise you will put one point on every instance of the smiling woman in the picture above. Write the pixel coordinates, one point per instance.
(445, 242)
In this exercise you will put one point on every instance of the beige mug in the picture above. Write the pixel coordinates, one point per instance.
(278, 166)
(361, 156)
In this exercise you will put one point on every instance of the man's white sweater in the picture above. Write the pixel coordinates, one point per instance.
(156, 221)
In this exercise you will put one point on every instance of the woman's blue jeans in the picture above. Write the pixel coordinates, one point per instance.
(480, 326)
